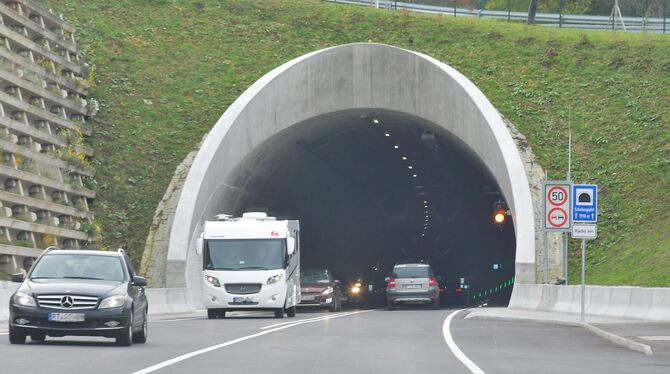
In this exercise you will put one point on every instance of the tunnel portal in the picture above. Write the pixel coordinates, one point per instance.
(384, 155)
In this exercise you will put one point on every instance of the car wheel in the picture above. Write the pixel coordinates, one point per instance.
(290, 312)
(38, 337)
(279, 313)
(16, 337)
(435, 304)
(390, 305)
(141, 336)
(126, 337)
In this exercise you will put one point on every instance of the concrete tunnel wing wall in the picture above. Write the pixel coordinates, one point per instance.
(342, 78)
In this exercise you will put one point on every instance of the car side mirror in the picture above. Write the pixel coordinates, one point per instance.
(387, 279)
(18, 278)
(199, 244)
(290, 245)
(337, 282)
(139, 281)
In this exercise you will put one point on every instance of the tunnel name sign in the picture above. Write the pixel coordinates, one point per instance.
(556, 212)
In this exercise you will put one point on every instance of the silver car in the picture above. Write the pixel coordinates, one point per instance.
(412, 284)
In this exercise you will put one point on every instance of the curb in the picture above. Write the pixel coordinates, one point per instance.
(614, 338)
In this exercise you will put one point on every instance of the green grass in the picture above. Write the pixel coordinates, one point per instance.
(167, 69)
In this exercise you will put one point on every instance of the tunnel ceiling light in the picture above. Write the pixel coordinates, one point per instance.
(414, 175)
(410, 167)
(375, 120)
(396, 146)
(387, 134)
(425, 201)
(404, 157)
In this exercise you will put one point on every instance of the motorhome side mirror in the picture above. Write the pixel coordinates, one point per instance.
(199, 244)
(290, 245)
(387, 279)
(18, 278)
(139, 281)
(337, 282)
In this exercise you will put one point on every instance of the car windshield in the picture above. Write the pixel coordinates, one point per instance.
(244, 254)
(412, 272)
(78, 266)
(315, 276)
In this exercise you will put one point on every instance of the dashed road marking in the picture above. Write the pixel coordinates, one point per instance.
(454, 348)
(186, 356)
(656, 337)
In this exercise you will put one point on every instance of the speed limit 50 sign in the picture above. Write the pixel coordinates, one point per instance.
(556, 214)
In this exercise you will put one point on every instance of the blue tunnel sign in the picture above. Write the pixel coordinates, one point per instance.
(585, 203)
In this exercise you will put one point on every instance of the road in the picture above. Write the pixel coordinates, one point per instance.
(356, 341)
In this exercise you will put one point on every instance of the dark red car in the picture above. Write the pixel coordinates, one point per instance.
(319, 288)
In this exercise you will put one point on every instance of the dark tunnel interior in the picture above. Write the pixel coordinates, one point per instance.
(372, 188)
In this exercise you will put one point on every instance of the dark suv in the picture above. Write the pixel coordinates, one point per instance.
(79, 292)
(412, 284)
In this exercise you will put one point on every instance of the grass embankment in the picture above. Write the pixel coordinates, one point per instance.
(167, 70)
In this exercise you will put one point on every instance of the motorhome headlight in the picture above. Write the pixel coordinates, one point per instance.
(24, 299)
(274, 279)
(327, 291)
(214, 281)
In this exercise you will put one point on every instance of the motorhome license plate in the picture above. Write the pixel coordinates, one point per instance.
(66, 317)
(242, 300)
(412, 286)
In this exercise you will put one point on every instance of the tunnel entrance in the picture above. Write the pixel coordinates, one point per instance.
(372, 188)
(322, 138)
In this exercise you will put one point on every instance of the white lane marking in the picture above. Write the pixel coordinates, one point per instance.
(186, 356)
(176, 319)
(314, 319)
(4, 333)
(454, 348)
(655, 337)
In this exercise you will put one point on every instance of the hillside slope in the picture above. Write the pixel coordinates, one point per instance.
(167, 69)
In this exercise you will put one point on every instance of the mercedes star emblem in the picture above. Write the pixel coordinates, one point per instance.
(67, 302)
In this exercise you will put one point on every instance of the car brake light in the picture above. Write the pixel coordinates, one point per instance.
(458, 289)
(432, 282)
(392, 282)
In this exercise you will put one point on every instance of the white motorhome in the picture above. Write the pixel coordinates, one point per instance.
(250, 263)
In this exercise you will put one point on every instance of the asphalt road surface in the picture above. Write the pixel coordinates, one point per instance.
(410, 340)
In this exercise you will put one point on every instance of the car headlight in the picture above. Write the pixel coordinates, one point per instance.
(273, 279)
(355, 289)
(214, 281)
(112, 302)
(327, 291)
(24, 299)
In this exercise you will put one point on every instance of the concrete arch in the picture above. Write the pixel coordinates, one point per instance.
(342, 78)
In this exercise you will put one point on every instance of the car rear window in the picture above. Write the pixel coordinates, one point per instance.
(412, 272)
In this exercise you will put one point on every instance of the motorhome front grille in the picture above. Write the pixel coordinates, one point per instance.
(243, 288)
(68, 302)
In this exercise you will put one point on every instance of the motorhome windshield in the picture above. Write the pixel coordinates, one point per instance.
(245, 254)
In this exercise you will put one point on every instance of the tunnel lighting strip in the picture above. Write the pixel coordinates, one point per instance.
(495, 289)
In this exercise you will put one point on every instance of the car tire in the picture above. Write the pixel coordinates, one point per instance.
(435, 304)
(290, 312)
(126, 337)
(390, 305)
(279, 313)
(16, 337)
(38, 337)
(141, 336)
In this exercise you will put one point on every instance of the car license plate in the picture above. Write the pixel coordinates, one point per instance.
(307, 298)
(66, 317)
(412, 286)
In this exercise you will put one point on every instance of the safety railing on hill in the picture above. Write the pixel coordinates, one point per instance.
(660, 24)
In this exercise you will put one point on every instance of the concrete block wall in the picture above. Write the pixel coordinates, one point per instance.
(43, 120)
(639, 303)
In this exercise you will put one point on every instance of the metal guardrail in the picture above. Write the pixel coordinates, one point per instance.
(574, 21)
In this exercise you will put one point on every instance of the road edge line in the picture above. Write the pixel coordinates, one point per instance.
(454, 347)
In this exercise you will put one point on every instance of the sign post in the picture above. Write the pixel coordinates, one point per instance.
(556, 213)
(584, 209)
